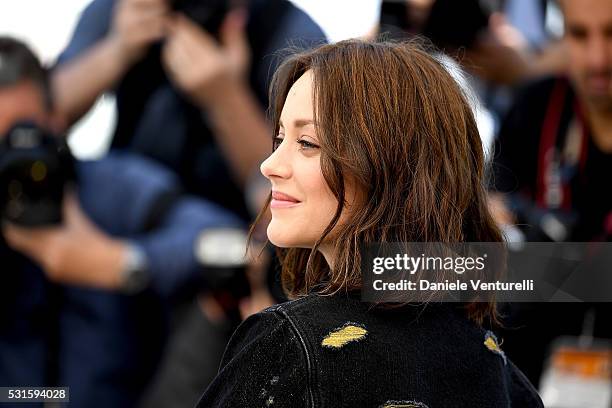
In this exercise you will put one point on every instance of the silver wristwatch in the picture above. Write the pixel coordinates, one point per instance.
(135, 275)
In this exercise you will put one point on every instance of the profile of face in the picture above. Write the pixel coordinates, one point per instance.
(588, 36)
(302, 203)
(23, 101)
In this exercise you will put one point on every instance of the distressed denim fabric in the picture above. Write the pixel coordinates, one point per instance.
(335, 351)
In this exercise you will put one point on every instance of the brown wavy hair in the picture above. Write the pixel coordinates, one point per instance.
(390, 118)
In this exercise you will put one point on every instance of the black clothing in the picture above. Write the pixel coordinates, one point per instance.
(336, 351)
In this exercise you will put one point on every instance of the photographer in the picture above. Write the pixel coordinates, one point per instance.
(111, 252)
(195, 100)
(552, 164)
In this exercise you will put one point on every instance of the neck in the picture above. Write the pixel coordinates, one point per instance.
(328, 253)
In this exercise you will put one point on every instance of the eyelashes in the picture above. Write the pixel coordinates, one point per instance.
(276, 142)
(304, 144)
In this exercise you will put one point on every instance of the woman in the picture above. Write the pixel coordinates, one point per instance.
(375, 142)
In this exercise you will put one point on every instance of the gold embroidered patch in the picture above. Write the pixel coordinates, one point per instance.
(492, 344)
(346, 334)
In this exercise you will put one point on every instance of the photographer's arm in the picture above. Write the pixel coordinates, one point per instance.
(76, 253)
(80, 253)
(215, 76)
(241, 129)
(76, 84)
(75, 89)
(171, 247)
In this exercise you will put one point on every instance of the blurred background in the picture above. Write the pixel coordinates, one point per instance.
(48, 30)
(131, 133)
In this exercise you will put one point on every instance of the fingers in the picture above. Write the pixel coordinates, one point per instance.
(42, 245)
(175, 54)
(138, 23)
(28, 241)
(153, 6)
(73, 215)
(146, 26)
(197, 63)
(141, 11)
(197, 41)
(175, 59)
(187, 45)
(150, 29)
(234, 39)
(194, 37)
(233, 29)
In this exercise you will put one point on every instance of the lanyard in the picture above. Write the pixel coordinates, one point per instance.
(556, 168)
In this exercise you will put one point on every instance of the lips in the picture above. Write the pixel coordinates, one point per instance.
(282, 200)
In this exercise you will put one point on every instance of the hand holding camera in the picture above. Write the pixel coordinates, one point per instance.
(45, 224)
(137, 24)
(201, 66)
(76, 252)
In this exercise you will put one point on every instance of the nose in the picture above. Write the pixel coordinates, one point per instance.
(599, 53)
(277, 164)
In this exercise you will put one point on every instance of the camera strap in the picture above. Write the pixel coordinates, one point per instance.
(563, 149)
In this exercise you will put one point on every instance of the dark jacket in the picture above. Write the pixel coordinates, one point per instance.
(335, 351)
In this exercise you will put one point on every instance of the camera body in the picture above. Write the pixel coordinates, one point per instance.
(542, 225)
(208, 14)
(35, 167)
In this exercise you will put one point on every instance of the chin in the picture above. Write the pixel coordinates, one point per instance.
(278, 235)
(284, 236)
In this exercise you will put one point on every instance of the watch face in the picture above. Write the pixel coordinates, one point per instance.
(136, 281)
(135, 274)
(222, 247)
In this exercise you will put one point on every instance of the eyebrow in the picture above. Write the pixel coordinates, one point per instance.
(299, 122)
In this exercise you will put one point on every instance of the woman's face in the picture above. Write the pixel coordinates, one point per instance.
(302, 203)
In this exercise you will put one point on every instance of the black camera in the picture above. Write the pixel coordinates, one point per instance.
(208, 14)
(540, 224)
(35, 167)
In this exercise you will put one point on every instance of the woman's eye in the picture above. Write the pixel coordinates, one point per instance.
(276, 142)
(306, 145)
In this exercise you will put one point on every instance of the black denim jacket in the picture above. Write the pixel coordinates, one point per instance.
(335, 351)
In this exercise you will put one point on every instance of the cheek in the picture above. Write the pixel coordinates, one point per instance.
(322, 203)
(303, 225)
(574, 51)
(321, 199)
(577, 69)
(15, 110)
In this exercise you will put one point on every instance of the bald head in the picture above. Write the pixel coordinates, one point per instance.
(588, 36)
